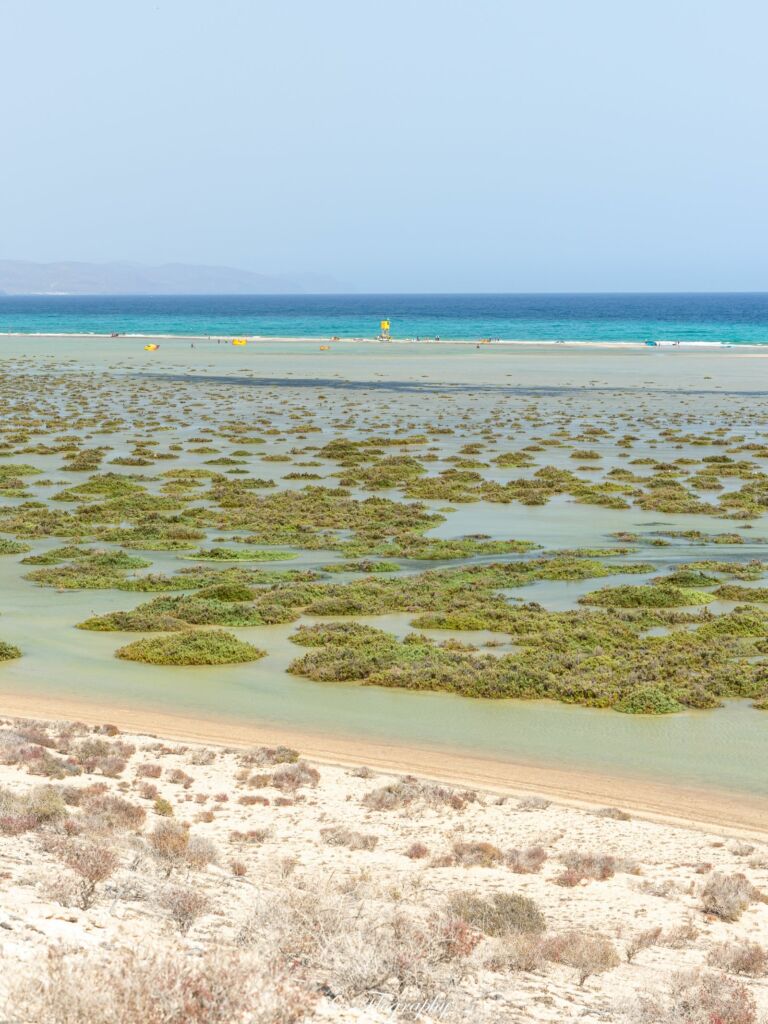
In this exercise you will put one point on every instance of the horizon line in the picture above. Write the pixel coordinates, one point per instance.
(356, 294)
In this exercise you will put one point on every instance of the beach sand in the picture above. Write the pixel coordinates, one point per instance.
(327, 842)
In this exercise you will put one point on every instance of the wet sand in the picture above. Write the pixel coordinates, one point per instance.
(538, 343)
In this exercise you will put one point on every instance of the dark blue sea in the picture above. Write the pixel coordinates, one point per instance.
(735, 318)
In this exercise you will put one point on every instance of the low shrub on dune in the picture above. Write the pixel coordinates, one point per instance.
(505, 913)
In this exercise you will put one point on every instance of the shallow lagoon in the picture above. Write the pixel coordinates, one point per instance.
(724, 747)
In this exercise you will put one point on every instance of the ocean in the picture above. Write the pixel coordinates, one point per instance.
(732, 318)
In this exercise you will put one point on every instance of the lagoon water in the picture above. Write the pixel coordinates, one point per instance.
(724, 748)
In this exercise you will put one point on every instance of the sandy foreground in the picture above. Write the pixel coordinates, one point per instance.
(284, 850)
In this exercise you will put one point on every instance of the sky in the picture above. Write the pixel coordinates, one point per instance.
(427, 145)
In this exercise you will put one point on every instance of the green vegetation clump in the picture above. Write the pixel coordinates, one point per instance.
(686, 578)
(112, 560)
(744, 621)
(105, 485)
(648, 700)
(76, 577)
(196, 647)
(206, 576)
(155, 535)
(54, 556)
(592, 658)
(201, 611)
(318, 517)
(434, 549)
(86, 570)
(698, 537)
(350, 634)
(392, 471)
(8, 652)
(180, 612)
(732, 592)
(665, 495)
(11, 470)
(240, 555)
(471, 591)
(647, 597)
(452, 589)
(518, 460)
(12, 547)
(344, 652)
(228, 592)
(365, 565)
(140, 620)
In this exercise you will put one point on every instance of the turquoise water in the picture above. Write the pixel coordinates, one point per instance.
(704, 318)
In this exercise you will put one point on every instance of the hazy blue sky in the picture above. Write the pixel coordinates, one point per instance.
(413, 145)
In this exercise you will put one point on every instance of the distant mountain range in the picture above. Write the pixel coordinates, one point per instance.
(19, 277)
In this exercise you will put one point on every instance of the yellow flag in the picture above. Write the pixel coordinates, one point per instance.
(385, 325)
